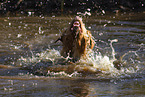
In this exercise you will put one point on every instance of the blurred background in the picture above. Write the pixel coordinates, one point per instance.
(59, 7)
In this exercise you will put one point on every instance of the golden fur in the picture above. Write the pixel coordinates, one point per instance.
(76, 46)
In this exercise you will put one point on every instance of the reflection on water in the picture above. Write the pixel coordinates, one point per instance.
(68, 87)
(31, 64)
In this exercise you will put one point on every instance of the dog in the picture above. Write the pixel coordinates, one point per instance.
(76, 40)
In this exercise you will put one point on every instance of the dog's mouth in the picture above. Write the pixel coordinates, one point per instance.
(75, 29)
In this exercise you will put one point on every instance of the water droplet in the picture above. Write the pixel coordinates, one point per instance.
(89, 9)
(53, 16)
(10, 24)
(103, 11)
(19, 35)
(109, 22)
(105, 25)
(5, 89)
(89, 27)
(23, 85)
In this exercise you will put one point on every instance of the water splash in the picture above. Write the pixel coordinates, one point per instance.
(53, 64)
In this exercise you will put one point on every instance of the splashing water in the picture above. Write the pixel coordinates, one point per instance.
(53, 64)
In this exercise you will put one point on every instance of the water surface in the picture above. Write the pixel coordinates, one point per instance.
(28, 51)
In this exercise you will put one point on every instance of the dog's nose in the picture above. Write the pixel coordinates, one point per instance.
(75, 29)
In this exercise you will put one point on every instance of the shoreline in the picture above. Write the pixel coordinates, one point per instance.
(69, 7)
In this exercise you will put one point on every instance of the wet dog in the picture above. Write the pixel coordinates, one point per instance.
(76, 40)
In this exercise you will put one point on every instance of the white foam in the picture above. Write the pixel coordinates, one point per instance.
(95, 61)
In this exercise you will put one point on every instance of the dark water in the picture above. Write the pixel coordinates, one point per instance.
(27, 48)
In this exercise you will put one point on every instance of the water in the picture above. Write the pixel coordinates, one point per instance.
(31, 64)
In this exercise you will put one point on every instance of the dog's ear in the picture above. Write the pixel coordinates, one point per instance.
(92, 43)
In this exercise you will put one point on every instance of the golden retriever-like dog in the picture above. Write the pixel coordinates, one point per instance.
(76, 40)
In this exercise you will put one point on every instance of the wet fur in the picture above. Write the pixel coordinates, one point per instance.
(76, 45)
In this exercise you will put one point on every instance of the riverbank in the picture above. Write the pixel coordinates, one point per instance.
(69, 7)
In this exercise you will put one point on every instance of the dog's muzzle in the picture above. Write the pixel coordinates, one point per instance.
(75, 29)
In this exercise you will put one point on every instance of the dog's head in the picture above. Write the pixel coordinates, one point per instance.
(77, 26)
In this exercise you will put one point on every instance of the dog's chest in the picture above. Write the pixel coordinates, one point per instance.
(68, 40)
